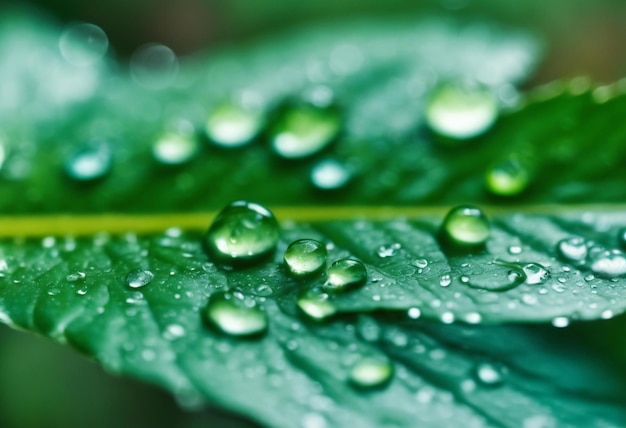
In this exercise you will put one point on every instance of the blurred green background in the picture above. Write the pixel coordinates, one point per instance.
(45, 384)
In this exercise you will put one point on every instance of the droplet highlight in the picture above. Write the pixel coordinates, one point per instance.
(488, 374)
(139, 278)
(305, 257)
(89, 163)
(607, 263)
(371, 373)
(242, 232)
(507, 178)
(175, 148)
(572, 249)
(233, 124)
(316, 306)
(330, 174)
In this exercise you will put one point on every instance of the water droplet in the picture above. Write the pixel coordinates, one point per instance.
(420, 263)
(608, 263)
(242, 232)
(514, 250)
(345, 274)
(507, 178)
(385, 251)
(305, 256)
(560, 322)
(83, 44)
(233, 124)
(77, 276)
(174, 331)
(447, 317)
(572, 249)
(330, 174)
(488, 374)
(154, 66)
(369, 373)
(303, 130)
(535, 273)
(461, 110)
(501, 277)
(466, 226)
(621, 237)
(53, 291)
(445, 280)
(316, 306)
(90, 162)
(414, 313)
(235, 315)
(138, 278)
(368, 329)
(175, 148)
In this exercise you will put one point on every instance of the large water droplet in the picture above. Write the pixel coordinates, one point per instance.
(608, 263)
(345, 274)
(500, 277)
(507, 178)
(305, 256)
(234, 124)
(572, 249)
(316, 306)
(370, 373)
(488, 374)
(535, 273)
(461, 110)
(83, 44)
(90, 162)
(242, 232)
(175, 148)
(235, 315)
(138, 278)
(330, 174)
(465, 226)
(154, 66)
(303, 130)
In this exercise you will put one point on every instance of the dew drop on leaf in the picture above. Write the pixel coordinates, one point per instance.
(507, 178)
(330, 174)
(316, 306)
(242, 232)
(560, 322)
(461, 110)
(445, 280)
(501, 277)
(465, 226)
(535, 273)
(488, 374)
(370, 373)
(385, 251)
(420, 263)
(303, 130)
(608, 263)
(139, 278)
(414, 313)
(90, 162)
(175, 148)
(83, 44)
(572, 249)
(77, 276)
(305, 256)
(345, 274)
(232, 124)
(621, 237)
(235, 315)
(154, 66)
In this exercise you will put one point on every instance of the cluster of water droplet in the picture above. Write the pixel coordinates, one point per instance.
(603, 262)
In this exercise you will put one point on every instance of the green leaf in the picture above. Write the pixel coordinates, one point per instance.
(77, 291)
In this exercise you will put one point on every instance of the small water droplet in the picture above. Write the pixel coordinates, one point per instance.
(305, 256)
(535, 273)
(461, 110)
(369, 373)
(83, 44)
(174, 331)
(507, 178)
(235, 316)
(303, 130)
(76, 276)
(53, 291)
(590, 277)
(368, 329)
(385, 251)
(330, 174)
(488, 374)
(242, 232)
(91, 162)
(606, 314)
(514, 250)
(154, 66)
(572, 249)
(414, 313)
(345, 274)
(608, 263)
(175, 148)
(233, 124)
(465, 226)
(560, 322)
(473, 318)
(139, 278)
(316, 306)
(420, 263)
(447, 317)
(445, 280)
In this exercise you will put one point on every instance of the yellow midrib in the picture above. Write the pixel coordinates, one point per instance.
(89, 224)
